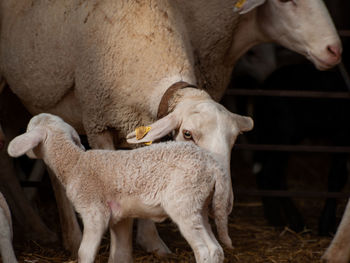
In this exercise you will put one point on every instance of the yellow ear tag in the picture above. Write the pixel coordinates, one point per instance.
(240, 3)
(141, 132)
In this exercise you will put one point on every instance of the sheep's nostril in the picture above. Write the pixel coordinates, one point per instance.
(1, 144)
(334, 50)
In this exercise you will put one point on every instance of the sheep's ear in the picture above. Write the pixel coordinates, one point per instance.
(157, 130)
(244, 123)
(244, 6)
(26, 142)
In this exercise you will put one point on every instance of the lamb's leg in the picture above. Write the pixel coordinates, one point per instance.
(121, 233)
(71, 233)
(148, 238)
(7, 254)
(94, 227)
(22, 212)
(203, 246)
(121, 242)
(193, 229)
(208, 227)
(147, 235)
(339, 249)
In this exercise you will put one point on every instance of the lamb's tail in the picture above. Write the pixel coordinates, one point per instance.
(222, 206)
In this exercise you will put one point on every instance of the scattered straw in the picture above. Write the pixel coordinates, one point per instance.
(253, 240)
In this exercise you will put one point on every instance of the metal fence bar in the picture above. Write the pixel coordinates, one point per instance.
(286, 193)
(293, 148)
(296, 148)
(344, 33)
(289, 93)
(344, 73)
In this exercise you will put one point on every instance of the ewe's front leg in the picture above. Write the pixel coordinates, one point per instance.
(121, 242)
(339, 249)
(71, 233)
(148, 238)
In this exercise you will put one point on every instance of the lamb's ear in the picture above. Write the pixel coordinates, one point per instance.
(157, 130)
(26, 142)
(244, 6)
(244, 123)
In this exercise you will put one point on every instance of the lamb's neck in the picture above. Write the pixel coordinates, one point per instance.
(61, 156)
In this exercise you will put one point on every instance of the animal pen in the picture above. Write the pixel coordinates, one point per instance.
(253, 239)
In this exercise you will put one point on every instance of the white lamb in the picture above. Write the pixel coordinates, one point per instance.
(176, 180)
(7, 254)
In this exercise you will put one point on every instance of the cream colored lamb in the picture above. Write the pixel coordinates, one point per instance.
(174, 179)
(6, 249)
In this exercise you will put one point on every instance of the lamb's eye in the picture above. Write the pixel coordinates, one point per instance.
(187, 134)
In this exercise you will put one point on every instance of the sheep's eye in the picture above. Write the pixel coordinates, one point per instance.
(285, 1)
(187, 134)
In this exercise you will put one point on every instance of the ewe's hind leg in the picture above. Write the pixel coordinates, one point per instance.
(339, 249)
(148, 238)
(193, 229)
(22, 211)
(27, 219)
(71, 233)
(94, 227)
(121, 242)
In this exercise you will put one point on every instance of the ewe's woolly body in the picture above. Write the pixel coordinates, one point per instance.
(93, 61)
